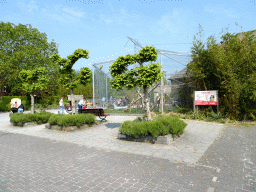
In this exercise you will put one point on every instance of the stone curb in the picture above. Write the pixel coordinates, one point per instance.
(165, 140)
(27, 124)
(67, 129)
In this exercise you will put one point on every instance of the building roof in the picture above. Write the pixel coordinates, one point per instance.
(179, 75)
(241, 35)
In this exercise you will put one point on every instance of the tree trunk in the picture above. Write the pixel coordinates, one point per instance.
(73, 102)
(32, 104)
(146, 104)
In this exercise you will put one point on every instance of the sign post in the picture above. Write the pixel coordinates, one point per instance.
(206, 98)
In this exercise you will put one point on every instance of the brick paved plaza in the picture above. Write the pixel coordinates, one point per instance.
(31, 162)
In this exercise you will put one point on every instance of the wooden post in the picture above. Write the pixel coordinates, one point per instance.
(194, 101)
(217, 101)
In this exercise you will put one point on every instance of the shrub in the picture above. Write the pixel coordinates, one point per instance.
(42, 117)
(216, 116)
(183, 110)
(158, 127)
(21, 118)
(71, 120)
(5, 102)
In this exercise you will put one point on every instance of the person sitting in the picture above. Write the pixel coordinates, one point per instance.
(21, 108)
(82, 104)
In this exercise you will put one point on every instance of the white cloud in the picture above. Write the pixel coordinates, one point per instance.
(32, 5)
(221, 10)
(166, 23)
(57, 17)
(74, 13)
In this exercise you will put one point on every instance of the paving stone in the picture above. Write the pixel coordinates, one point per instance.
(40, 159)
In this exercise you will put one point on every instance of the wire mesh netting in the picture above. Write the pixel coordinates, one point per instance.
(174, 71)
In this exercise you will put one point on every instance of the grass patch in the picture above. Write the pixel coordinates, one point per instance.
(125, 111)
(246, 124)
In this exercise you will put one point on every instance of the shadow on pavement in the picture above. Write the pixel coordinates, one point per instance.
(113, 125)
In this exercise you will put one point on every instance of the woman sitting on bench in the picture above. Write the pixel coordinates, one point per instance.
(82, 104)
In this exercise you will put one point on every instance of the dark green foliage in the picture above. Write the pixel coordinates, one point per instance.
(23, 47)
(21, 118)
(183, 110)
(230, 68)
(41, 117)
(5, 102)
(71, 120)
(158, 127)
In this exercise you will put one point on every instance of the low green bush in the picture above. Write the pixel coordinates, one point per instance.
(5, 102)
(158, 127)
(71, 120)
(216, 116)
(183, 110)
(42, 117)
(21, 118)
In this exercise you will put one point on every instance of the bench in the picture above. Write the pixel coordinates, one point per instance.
(96, 111)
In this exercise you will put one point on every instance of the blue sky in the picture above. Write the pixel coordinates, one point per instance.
(102, 26)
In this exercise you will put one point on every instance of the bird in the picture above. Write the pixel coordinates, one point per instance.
(101, 67)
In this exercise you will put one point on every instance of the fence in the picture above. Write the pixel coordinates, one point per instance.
(106, 97)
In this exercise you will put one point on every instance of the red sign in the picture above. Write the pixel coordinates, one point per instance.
(206, 98)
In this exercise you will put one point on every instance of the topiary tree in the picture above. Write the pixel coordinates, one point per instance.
(32, 81)
(143, 76)
(69, 79)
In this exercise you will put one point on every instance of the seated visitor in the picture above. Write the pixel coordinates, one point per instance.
(20, 108)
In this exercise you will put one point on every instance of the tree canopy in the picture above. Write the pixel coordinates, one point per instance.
(34, 80)
(69, 78)
(23, 47)
(143, 76)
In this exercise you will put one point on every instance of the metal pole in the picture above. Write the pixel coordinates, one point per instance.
(162, 94)
(106, 90)
(194, 101)
(217, 101)
(93, 100)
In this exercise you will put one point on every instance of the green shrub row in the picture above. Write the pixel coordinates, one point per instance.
(21, 118)
(5, 102)
(71, 120)
(158, 127)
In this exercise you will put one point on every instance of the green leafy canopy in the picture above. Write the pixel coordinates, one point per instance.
(34, 80)
(142, 76)
(69, 79)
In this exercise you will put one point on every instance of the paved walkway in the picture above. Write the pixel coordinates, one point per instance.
(209, 157)
(198, 136)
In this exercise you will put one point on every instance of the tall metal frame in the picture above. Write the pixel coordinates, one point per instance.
(166, 53)
(93, 80)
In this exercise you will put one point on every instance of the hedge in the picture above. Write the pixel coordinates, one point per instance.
(5, 102)
(158, 127)
(71, 120)
(21, 118)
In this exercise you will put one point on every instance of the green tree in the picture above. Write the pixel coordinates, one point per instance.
(143, 76)
(32, 81)
(69, 78)
(23, 47)
(230, 68)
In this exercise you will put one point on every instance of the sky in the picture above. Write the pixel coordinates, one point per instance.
(102, 26)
